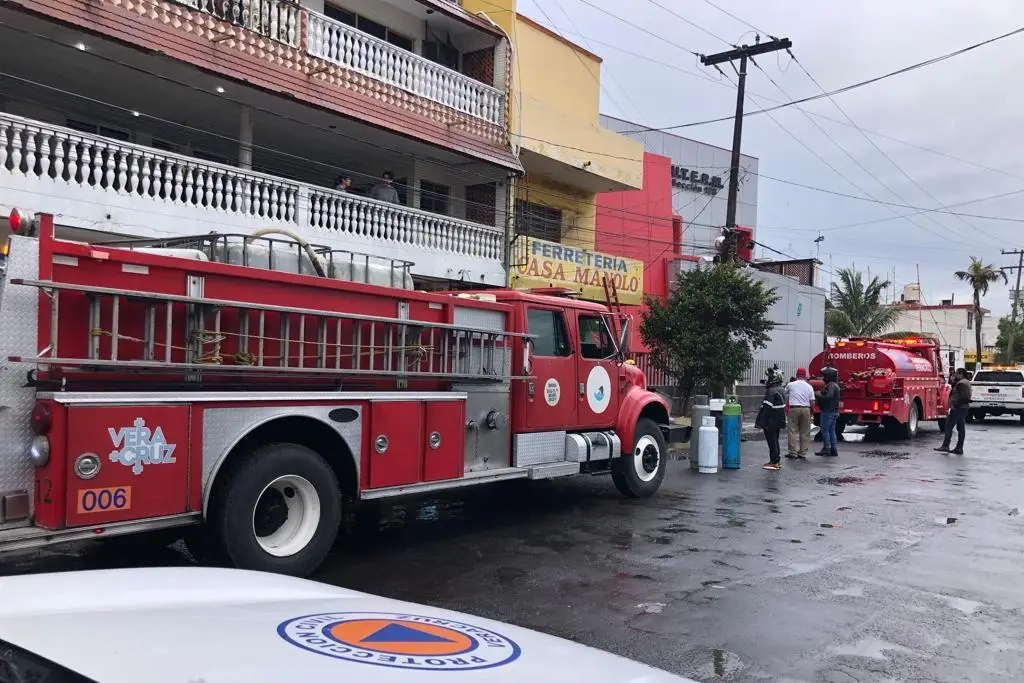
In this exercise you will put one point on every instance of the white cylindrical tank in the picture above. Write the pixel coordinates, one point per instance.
(707, 447)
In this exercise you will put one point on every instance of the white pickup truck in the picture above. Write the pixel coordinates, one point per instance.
(997, 391)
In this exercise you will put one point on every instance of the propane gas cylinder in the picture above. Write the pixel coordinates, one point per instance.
(707, 453)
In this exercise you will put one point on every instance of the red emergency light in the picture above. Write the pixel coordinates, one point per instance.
(22, 222)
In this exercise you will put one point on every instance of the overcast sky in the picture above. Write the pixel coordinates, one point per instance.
(967, 107)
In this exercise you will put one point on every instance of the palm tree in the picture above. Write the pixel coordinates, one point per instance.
(856, 309)
(979, 276)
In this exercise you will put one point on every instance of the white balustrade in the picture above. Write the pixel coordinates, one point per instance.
(348, 47)
(87, 179)
(332, 211)
(276, 19)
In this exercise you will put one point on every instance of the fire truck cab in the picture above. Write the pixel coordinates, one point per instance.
(889, 383)
(243, 389)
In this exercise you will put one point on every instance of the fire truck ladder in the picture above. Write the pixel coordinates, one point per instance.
(134, 330)
(611, 295)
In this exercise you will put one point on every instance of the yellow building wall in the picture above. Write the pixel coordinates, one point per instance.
(555, 101)
(579, 212)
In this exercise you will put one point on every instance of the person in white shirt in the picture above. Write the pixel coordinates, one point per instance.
(800, 396)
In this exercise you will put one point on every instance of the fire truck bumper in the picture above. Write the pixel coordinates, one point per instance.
(676, 433)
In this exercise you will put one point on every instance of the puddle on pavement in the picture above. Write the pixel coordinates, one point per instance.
(871, 648)
(886, 454)
(710, 664)
(841, 481)
(850, 591)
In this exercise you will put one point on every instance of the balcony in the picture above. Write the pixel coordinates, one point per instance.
(321, 37)
(348, 47)
(99, 184)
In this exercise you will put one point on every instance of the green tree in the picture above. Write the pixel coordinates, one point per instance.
(856, 308)
(705, 333)
(979, 276)
(1002, 342)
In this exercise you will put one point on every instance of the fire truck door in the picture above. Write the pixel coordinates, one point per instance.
(551, 403)
(597, 388)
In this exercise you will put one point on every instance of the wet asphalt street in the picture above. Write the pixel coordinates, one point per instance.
(892, 563)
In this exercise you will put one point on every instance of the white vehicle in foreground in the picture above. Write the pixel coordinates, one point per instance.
(222, 625)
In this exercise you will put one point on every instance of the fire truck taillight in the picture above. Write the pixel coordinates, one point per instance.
(42, 419)
(21, 221)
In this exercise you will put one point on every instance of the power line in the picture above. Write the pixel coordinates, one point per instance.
(883, 152)
(723, 83)
(838, 91)
(852, 158)
(691, 23)
(640, 28)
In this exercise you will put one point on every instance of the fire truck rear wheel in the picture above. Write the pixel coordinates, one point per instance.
(280, 511)
(639, 474)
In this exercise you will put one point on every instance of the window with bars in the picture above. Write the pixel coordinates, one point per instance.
(434, 197)
(537, 220)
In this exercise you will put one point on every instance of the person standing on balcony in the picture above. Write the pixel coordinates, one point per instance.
(343, 183)
(385, 190)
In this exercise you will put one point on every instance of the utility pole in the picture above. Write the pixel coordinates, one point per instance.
(1016, 296)
(743, 53)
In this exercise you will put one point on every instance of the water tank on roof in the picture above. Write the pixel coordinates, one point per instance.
(912, 293)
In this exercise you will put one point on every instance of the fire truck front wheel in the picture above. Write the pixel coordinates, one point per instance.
(639, 474)
(280, 511)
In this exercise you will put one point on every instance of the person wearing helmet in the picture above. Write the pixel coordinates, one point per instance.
(828, 404)
(772, 416)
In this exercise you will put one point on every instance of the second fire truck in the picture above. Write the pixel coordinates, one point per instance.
(892, 384)
(250, 387)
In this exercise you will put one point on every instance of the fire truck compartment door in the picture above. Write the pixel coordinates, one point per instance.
(550, 400)
(444, 434)
(396, 443)
(143, 454)
(597, 375)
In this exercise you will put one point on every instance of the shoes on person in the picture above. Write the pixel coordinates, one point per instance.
(943, 449)
(957, 451)
(823, 451)
(833, 453)
(800, 456)
(791, 456)
(774, 466)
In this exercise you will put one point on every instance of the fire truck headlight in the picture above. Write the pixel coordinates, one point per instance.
(39, 451)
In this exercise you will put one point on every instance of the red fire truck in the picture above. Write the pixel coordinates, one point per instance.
(888, 383)
(250, 386)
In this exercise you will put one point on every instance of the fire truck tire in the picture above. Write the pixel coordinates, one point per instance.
(639, 474)
(280, 511)
(913, 421)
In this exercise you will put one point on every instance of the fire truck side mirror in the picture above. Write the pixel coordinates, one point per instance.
(624, 337)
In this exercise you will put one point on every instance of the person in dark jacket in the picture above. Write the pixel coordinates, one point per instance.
(828, 404)
(959, 405)
(772, 416)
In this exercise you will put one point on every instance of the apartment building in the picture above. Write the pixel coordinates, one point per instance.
(172, 117)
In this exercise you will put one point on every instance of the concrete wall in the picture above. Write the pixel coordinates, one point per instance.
(949, 324)
(799, 333)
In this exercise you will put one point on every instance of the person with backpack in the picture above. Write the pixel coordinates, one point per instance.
(771, 418)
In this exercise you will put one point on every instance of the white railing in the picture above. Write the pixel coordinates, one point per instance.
(276, 19)
(345, 46)
(91, 177)
(351, 214)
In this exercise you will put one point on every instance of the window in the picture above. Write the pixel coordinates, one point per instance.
(368, 26)
(434, 198)
(440, 53)
(970, 320)
(595, 340)
(999, 376)
(97, 129)
(550, 336)
(537, 220)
